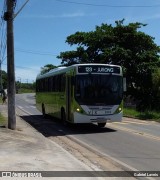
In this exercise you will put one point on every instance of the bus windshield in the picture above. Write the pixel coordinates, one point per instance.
(98, 89)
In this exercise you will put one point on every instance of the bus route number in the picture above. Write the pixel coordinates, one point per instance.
(88, 69)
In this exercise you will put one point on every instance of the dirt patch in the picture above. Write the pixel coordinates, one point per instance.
(92, 159)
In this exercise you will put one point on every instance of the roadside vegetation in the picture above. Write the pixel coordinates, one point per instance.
(2, 121)
(144, 115)
(25, 87)
(24, 90)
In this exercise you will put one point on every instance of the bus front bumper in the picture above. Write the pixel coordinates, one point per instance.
(82, 118)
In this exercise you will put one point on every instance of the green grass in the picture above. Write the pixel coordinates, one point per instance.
(23, 90)
(2, 120)
(147, 115)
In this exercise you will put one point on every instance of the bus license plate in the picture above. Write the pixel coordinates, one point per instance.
(99, 112)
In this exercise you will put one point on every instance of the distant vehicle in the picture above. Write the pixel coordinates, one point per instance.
(82, 93)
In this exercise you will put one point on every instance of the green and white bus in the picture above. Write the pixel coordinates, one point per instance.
(82, 93)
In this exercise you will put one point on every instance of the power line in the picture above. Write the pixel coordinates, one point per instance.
(36, 52)
(22, 67)
(110, 6)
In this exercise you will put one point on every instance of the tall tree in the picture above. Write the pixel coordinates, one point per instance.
(156, 89)
(47, 68)
(123, 45)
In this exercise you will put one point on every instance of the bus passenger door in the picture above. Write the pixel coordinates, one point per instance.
(68, 98)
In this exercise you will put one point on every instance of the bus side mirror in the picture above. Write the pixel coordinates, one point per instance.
(124, 85)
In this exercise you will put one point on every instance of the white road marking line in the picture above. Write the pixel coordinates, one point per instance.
(33, 107)
(22, 108)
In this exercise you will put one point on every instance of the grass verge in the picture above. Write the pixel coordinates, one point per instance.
(23, 90)
(3, 121)
(147, 115)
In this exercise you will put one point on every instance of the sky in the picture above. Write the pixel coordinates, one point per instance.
(42, 26)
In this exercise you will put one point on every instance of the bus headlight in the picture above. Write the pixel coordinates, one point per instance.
(120, 109)
(78, 110)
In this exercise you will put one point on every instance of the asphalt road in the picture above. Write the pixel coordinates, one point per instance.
(133, 142)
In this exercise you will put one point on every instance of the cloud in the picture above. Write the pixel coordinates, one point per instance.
(77, 14)
(64, 15)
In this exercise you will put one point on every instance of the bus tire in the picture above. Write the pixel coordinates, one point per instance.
(101, 125)
(43, 110)
(63, 116)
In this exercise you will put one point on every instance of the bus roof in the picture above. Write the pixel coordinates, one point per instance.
(63, 69)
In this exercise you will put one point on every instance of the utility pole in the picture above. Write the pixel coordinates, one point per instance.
(8, 16)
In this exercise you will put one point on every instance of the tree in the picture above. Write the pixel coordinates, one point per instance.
(156, 88)
(47, 68)
(4, 79)
(122, 45)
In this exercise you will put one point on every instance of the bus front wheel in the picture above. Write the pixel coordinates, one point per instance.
(101, 125)
(63, 116)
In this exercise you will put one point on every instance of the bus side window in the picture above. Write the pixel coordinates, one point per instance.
(63, 82)
(53, 84)
(72, 81)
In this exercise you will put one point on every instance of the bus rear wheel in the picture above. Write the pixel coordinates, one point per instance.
(43, 110)
(101, 125)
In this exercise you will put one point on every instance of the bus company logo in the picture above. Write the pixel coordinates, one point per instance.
(105, 70)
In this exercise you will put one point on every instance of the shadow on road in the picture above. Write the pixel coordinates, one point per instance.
(54, 127)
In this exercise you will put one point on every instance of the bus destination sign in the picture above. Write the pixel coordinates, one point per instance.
(99, 69)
